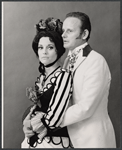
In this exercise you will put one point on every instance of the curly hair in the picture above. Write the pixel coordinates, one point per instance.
(50, 24)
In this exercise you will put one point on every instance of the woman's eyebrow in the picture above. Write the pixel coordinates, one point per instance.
(50, 44)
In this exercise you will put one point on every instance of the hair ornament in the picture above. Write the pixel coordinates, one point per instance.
(50, 24)
(41, 25)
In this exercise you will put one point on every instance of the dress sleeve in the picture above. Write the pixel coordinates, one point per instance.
(59, 100)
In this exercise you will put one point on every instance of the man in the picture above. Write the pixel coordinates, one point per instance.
(87, 119)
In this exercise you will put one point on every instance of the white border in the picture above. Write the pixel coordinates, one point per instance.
(2, 79)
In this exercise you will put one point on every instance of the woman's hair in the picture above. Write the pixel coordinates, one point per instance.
(51, 28)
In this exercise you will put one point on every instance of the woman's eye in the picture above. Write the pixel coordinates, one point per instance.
(51, 47)
(40, 47)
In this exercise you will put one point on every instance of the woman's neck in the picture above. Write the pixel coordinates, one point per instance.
(51, 69)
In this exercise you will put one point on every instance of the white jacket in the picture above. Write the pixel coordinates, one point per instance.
(88, 122)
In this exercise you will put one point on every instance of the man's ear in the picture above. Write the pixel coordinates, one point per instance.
(85, 34)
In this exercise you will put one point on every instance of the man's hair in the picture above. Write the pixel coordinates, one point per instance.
(85, 21)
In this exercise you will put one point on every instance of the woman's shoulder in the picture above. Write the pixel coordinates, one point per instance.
(61, 71)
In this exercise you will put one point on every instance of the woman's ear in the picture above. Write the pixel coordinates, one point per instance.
(85, 34)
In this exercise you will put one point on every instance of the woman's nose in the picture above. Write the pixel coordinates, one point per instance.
(45, 51)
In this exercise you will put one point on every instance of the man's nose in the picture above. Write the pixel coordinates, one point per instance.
(63, 34)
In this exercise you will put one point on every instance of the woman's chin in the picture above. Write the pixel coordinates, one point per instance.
(44, 62)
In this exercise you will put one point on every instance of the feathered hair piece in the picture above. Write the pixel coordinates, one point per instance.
(50, 24)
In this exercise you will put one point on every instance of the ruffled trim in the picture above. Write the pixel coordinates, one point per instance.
(52, 80)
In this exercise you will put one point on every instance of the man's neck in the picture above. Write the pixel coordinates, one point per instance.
(78, 47)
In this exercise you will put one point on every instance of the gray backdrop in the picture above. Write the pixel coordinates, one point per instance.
(20, 67)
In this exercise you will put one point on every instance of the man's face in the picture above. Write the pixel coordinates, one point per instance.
(72, 37)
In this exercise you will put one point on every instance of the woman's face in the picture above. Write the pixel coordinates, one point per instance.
(46, 51)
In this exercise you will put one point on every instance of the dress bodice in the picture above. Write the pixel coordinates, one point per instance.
(45, 98)
(47, 91)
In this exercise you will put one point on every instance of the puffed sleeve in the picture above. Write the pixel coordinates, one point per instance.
(60, 100)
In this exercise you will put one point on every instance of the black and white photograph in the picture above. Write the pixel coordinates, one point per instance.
(60, 74)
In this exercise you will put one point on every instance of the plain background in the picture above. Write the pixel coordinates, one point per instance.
(20, 65)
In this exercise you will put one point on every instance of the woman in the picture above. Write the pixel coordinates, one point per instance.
(52, 92)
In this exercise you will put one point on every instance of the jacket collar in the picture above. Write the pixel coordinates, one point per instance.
(86, 50)
(77, 49)
(82, 56)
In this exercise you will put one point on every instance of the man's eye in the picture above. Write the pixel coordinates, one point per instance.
(69, 31)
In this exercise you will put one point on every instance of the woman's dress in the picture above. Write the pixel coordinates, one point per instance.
(54, 99)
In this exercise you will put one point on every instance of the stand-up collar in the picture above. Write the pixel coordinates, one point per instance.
(77, 49)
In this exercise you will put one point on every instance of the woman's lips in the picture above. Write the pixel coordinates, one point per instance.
(44, 57)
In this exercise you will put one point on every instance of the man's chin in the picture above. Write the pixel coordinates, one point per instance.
(66, 46)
